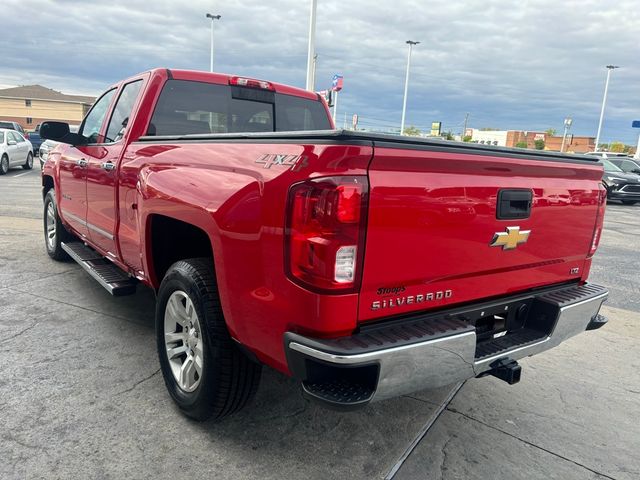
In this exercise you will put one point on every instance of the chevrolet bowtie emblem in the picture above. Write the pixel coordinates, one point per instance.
(510, 239)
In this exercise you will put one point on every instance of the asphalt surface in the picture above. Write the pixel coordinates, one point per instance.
(82, 397)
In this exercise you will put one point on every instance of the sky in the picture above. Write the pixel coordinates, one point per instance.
(523, 64)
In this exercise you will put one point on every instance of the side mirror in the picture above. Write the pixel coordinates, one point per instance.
(11, 142)
(637, 170)
(59, 131)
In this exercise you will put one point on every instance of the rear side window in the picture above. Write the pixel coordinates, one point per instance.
(1, 137)
(187, 107)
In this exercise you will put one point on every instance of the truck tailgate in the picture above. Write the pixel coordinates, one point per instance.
(433, 217)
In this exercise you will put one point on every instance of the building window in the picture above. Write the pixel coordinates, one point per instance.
(29, 120)
(27, 103)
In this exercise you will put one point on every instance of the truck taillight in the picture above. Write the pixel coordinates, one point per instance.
(597, 231)
(324, 236)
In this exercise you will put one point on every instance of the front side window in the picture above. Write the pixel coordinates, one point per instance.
(17, 137)
(93, 122)
(122, 111)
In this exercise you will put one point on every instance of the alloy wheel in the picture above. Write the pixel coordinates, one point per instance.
(183, 341)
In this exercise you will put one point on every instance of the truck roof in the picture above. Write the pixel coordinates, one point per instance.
(221, 79)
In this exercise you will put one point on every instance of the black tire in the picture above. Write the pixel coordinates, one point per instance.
(54, 249)
(229, 379)
(4, 165)
(629, 202)
(29, 163)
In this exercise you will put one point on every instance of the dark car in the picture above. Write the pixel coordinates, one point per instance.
(36, 141)
(620, 185)
(627, 165)
(13, 126)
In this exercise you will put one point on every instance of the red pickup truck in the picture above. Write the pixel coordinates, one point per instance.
(366, 266)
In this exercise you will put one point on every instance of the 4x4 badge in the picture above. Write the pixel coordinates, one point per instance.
(510, 239)
(296, 162)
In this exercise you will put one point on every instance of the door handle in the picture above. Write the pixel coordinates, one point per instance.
(82, 162)
(108, 166)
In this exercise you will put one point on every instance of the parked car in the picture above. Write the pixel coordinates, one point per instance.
(607, 155)
(620, 185)
(15, 151)
(627, 165)
(357, 263)
(47, 145)
(36, 141)
(13, 126)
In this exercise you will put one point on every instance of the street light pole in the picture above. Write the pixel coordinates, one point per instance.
(604, 102)
(311, 52)
(212, 17)
(406, 86)
(567, 125)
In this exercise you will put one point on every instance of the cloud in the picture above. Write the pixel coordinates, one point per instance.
(510, 64)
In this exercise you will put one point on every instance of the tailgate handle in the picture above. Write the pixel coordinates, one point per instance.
(514, 204)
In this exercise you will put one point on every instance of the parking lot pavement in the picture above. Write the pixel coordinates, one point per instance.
(81, 394)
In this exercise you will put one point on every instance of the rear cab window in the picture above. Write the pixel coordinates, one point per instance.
(188, 107)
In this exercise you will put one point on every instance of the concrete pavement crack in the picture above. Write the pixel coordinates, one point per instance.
(33, 325)
(444, 457)
(138, 383)
(41, 278)
(117, 317)
(453, 410)
(425, 429)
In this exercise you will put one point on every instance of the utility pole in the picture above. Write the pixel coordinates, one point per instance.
(567, 125)
(212, 17)
(311, 52)
(604, 102)
(464, 129)
(406, 85)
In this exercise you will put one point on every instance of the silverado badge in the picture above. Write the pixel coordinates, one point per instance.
(510, 239)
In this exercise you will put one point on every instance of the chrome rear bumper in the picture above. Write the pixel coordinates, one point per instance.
(436, 350)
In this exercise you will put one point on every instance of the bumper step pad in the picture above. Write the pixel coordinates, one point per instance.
(114, 280)
(339, 393)
(521, 338)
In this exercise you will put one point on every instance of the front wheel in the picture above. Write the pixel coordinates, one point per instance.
(205, 372)
(628, 202)
(54, 231)
(29, 163)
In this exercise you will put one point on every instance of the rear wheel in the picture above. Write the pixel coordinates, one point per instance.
(4, 164)
(205, 372)
(29, 163)
(629, 202)
(54, 231)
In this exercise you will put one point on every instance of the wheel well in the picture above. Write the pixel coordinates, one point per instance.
(173, 240)
(47, 184)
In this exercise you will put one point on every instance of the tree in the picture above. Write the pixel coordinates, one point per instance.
(539, 144)
(448, 135)
(412, 131)
(551, 132)
(466, 138)
(617, 147)
(489, 129)
(521, 144)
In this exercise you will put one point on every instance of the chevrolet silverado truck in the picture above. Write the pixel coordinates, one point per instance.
(365, 266)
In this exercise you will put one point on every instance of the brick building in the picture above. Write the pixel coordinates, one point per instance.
(511, 138)
(31, 105)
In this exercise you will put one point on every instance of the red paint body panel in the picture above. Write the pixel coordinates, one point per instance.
(431, 216)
